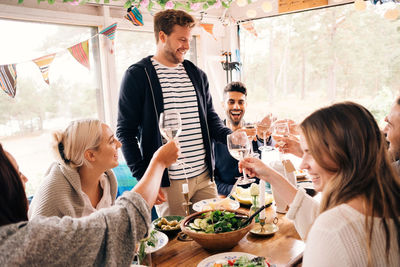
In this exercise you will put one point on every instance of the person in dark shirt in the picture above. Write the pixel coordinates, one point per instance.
(226, 167)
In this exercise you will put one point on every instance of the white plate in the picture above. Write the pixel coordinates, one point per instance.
(198, 206)
(162, 240)
(209, 261)
(269, 229)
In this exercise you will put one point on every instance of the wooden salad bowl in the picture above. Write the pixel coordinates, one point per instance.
(216, 241)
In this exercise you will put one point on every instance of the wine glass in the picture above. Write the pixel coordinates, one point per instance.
(251, 131)
(264, 129)
(280, 129)
(170, 124)
(239, 147)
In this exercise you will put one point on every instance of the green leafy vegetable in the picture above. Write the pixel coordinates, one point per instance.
(151, 241)
(216, 222)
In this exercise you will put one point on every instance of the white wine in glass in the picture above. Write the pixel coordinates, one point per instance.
(239, 147)
(170, 124)
(280, 129)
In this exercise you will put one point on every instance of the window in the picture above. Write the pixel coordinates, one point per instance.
(132, 46)
(38, 109)
(307, 60)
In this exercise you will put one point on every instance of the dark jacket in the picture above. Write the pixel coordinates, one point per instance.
(139, 108)
(227, 169)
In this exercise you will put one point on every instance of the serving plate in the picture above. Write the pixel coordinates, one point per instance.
(162, 240)
(269, 229)
(168, 218)
(209, 261)
(212, 203)
(243, 196)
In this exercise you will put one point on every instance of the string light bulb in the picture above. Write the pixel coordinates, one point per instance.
(360, 5)
(251, 13)
(266, 7)
(241, 3)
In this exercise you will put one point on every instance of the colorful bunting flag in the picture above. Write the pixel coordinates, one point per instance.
(81, 53)
(110, 31)
(8, 79)
(249, 26)
(208, 28)
(44, 65)
(134, 16)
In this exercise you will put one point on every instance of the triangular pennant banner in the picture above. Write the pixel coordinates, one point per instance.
(249, 26)
(44, 65)
(208, 28)
(110, 31)
(8, 79)
(134, 16)
(81, 53)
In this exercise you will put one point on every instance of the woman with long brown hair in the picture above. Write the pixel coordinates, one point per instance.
(346, 156)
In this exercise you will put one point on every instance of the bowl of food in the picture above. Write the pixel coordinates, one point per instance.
(217, 230)
(170, 225)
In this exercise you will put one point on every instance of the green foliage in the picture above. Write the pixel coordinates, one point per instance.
(318, 57)
(177, 4)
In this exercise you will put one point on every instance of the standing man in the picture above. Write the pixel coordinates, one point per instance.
(226, 167)
(162, 82)
(392, 131)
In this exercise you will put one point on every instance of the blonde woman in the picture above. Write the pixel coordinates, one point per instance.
(81, 180)
(107, 237)
(345, 153)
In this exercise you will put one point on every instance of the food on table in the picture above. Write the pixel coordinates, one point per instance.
(217, 221)
(164, 224)
(150, 241)
(223, 204)
(242, 261)
(243, 195)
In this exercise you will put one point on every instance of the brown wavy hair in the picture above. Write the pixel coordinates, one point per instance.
(167, 19)
(347, 134)
(13, 201)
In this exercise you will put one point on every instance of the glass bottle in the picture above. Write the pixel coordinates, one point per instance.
(255, 205)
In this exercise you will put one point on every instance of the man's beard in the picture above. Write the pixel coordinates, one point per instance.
(171, 56)
(232, 122)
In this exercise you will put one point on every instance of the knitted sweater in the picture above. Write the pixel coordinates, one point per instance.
(337, 238)
(104, 238)
(61, 193)
(303, 211)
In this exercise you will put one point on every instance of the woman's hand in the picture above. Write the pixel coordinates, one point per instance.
(291, 145)
(168, 153)
(254, 168)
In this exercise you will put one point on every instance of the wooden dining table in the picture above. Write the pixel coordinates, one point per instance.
(280, 248)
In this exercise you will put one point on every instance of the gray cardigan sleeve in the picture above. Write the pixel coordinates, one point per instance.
(104, 238)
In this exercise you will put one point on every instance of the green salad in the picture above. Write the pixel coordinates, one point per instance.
(216, 222)
(243, 261)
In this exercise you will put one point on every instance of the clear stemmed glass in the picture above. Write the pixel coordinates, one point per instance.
(170, 124)
(264, 129)
(280, 129)
(239, 147)
(251, 134)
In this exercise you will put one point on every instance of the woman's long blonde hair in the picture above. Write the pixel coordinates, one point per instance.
(348, 135)
(71, 144)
